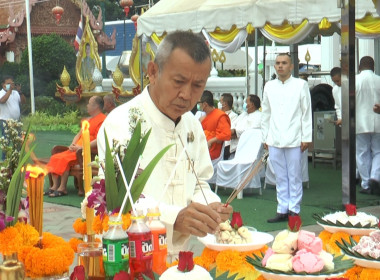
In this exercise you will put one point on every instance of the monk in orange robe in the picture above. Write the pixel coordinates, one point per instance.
(60, 163)
(216, 125)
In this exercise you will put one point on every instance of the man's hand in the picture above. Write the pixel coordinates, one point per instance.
(198, 219)
(74, 147)
(304, 146)
(224, 212)
(265, 146)
(376, 108)
(338, 122)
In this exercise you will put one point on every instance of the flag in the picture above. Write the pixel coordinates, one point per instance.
(78, 37)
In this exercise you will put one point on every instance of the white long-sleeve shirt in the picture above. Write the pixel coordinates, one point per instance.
(11, 108)
(243, 122)
(367, 95)
(182, 189)
(337, 95)
(286, 119)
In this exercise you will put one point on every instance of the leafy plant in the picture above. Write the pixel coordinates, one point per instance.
(45, 122)
(115, 190)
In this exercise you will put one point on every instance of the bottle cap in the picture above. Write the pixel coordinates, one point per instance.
(153, 212)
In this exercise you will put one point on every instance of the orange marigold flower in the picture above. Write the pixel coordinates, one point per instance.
(370, 274)
(172, 264)
(74, 242)
(80, 226)
(126, 220)
(10, 240)
(356, 238)
(208, 257)
(229, 260)
(325, 237)
(97, 225)
(29, 234)
(337, 236)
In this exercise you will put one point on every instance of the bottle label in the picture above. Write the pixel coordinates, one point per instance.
(162, 242)
(140, 249)
(115, 250)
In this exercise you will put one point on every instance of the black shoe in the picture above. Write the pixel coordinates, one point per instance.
(374, 186)
(366, 191)
(278, 218)
(291, 213)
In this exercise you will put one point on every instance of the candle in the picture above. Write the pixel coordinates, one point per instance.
(87, 173)
(35, 188)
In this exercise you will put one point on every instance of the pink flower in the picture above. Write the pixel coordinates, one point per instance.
(268, 253)
(308, 241)
(237, 221)
(308, 262)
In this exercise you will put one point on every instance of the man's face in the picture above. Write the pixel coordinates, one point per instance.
(177, 87)
(8, 81)
(91, 106)
(283, 66)
(337, 80)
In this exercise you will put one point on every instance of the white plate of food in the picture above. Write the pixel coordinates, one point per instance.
(349, 230)
(279, 276)
(259, 239)
(375, 264)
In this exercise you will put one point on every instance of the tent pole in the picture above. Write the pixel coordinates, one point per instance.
(348, 103)
(141, 65)
(256, 60)
(248, 87)
(294, 55)
(30, 55)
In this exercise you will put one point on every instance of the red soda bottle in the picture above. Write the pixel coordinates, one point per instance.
(160, 248)
(140, 248)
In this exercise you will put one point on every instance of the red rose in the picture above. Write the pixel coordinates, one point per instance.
(185, 262)
(294, 223)
(121, 275)
(350, 209)
(237, 221)
(78, 273)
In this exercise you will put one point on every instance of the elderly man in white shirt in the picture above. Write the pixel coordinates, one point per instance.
(287, 132)
(250, 118)
(335, 75)
(367, 126)
(177, 78)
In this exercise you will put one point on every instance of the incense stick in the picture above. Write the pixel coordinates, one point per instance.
(251, 172)
(192, 168)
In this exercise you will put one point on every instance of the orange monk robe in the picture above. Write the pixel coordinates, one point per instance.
(61, 162)
(217, 124)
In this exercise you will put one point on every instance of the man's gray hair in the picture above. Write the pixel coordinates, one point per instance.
(193, 44)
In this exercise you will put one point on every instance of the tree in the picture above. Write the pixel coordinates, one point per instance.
(50, 54)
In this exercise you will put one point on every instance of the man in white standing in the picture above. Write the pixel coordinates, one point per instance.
(177, 78)
(10, 101)
(335, 75)
(368, 126)
(225, 104)
(287, 132)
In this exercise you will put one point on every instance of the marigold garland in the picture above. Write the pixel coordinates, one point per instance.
(362, 273)
(10, 240)
(54, 258)
(329, 240)
(74, 242)
(101, 225)
(29, 234)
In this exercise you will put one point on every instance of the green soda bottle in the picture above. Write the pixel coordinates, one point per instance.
(115, 248)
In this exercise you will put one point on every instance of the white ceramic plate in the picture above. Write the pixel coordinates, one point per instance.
(351, 231)
(365, 263)
(277, 276)
(259, 239)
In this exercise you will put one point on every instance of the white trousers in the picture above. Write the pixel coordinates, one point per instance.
(368, 156)
(287, 166)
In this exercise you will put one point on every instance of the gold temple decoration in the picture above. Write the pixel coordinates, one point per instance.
(121, 95)
(65, 92)
(222, 57)
(134, 64)
(307, 56)
(88, 58)
(214, 55)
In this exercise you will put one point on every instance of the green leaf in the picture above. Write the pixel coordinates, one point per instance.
(110, 178)
(224, 276)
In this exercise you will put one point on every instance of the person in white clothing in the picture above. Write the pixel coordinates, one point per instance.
(335, 75)
(250, 118)
(287, 132)
(177, 78)
(225, 104)
(10, 101)
(367, 126)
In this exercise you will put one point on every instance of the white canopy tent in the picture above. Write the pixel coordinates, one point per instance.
(168, 15)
